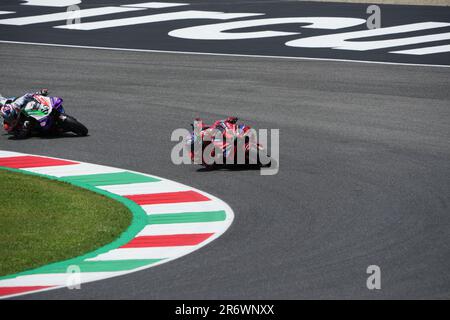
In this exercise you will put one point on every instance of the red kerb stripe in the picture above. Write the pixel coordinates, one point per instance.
(6, 291)
(32, 162)
(168, 197)
(172, 240)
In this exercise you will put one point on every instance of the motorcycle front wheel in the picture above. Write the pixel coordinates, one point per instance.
(73, 125)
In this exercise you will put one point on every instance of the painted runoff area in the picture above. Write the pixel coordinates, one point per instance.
(170, 220)
(350, 41)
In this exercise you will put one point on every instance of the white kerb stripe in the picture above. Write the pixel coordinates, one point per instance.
(144, 253)
(183, 228)
(6, 154)
(74, 170)
(55, 279)
(212, 205)
(145, 188)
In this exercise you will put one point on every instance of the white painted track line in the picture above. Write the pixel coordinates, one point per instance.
(427, 50)
(52, 17)
(155, 5)
(223, 54)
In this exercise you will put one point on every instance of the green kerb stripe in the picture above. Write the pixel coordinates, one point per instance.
(99, 266)
(107, 179)
(186, 217)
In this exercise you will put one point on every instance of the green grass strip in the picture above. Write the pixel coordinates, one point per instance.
(186, 217)
(139, 221)
(106, 179)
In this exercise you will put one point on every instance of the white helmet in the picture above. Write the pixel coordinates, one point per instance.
(3, 100)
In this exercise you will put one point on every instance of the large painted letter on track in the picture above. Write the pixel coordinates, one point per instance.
(218, 31)
(171, 16)
(343, 41)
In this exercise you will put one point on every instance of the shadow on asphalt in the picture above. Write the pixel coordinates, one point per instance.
(237, 167)
(47, 136)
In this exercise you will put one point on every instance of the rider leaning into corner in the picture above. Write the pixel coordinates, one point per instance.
(227, 127)
(221, 130)
(11, 109)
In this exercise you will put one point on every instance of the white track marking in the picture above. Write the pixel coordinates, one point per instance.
(6, 154)
(155, 5)
(427, 50)
(180, 207)
(51, 3)
(145, 188)
(352, 40)
(171, 16)
(52, 17)
(180, 228)
(7, 12)
(144, 253)
(219, 31)
(55, 279)
(222, 54)
(74, 170)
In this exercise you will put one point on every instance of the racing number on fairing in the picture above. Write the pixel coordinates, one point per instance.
(36, 108)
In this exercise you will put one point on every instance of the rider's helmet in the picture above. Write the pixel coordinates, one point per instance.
(230, 125)
(232, 120)
(3, 100)
(10, 113)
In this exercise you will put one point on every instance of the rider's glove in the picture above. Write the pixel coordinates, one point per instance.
(6, 126)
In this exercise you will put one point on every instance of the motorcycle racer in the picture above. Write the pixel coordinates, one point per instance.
(226, 135)
(11, 110)
(228, 127)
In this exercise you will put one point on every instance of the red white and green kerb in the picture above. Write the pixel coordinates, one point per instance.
(170, 220)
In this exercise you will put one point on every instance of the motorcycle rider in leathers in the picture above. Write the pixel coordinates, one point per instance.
(226, 130)
(11, 110)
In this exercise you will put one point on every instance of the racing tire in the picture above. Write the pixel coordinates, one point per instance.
(71, 124)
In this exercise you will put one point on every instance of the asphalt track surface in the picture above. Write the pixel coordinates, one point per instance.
(155, 35)
(364, 167)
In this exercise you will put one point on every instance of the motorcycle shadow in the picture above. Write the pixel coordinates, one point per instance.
(231, 167)
(46, 136)
(60, 136)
